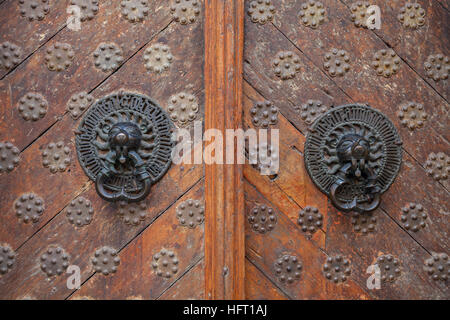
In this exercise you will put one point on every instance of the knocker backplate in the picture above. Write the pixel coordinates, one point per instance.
(155, 148)
(321, 149)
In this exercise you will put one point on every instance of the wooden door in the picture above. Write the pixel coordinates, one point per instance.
(129, 237)
(305, 91)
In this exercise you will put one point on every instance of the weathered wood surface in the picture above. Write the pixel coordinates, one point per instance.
(224, 226)
(57, 190)
(258, 287)
(292, 189)
(135, 276)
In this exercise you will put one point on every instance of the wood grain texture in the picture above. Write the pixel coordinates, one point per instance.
(258, 286)
(224, 229)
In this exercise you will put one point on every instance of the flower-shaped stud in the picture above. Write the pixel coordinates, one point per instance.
(7, 259)
(106, 261)
(32, 106)
(412, 115)
(183, 108)
(9, 55)
(185, 11)
(413, 217)
(132, 213)
(165, 263)
(264, 114)
(78, 103)
(364, 222)
(261, 11)
(310, 219)
(337, 269)
(437, 67)
(9, 157)
(386, 62)
(107, 56)
(191, 213)
(59, 56)
(88, 8)
(264, 158)
(80, 212)
(134, 10)
(389, 267)
(262, 219)
(29, 207)
(288, 269)
(311, 110)
(286, 65)
(438, 267)
(312, 14)
(54, 261)
(359, 13)
(412, 15)
(438, 166)
(56, 157)
(34, 9)
(336, 62)
(158, 58)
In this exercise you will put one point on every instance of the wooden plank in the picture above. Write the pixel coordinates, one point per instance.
(135, 276)
(30, 35)
(224, 229)
(414, 46)
(190, 287)
(258, 286)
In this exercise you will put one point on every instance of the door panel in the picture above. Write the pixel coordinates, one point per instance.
(291, 190)
(137, 244)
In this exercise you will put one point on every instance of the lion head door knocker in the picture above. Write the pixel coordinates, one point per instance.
(353, 154)
(124, 144)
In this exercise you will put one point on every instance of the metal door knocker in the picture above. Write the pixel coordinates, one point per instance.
(124, 144)
(353, 154)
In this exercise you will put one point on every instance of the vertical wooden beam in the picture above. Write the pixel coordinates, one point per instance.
(224, 223)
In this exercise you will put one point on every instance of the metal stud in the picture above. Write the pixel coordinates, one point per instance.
(336, 62)
(78, 103)
(7, 259)
(185, 11)
(80, 212)
(312, 14)
(261, 11)
(59, 56)
(386, 62)
(183, 108)
(412, 15)
(412, 115)
(262, 219)
(107, 56)
(438, 267)
(165, 263)
(337, 269)
(359, 13)
(191, 213)
(310, 219)
(413, 217)
(158, 58)
(56, 157)
(105, 260)
(134, 10)
(364, 222)
(32, 107)
(288, 269)
(29, 207)
(437, 67)
(263, 157)
(35, 9)
(9, 55)
(264, 114)
(311, 110)
(54, 261)
(133, 213)
(438, 166)
(389, 267)
(9, 157)
(88, 8)
(286, 65)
